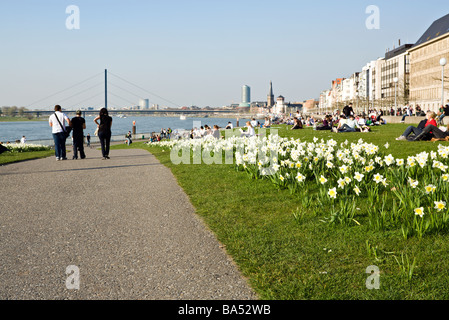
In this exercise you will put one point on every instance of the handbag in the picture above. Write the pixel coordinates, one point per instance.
(96, 132)
(67, 130)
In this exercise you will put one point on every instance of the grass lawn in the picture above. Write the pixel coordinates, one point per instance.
(13, 119)
(303, 258)
(10, 157)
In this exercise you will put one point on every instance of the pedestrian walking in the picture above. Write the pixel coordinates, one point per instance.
(88, 139)
(104, 131)
(58, 128)
(78, 126)
(128, 137)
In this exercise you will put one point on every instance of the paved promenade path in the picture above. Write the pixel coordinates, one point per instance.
(124, 223)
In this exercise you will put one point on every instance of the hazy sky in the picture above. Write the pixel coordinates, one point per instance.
(193, 51)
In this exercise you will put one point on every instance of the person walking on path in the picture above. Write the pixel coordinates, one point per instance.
(128, 138)
(57, 123)
(104, 131)
(88, 139)
(78, 126)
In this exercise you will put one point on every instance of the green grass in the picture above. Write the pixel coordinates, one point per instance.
(303, 258)
(11, 157)
(13, 119)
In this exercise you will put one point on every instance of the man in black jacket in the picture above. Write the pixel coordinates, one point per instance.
(78, 126)
(347, 110)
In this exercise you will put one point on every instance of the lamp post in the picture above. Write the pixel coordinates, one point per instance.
(395, 93)
(443, 62)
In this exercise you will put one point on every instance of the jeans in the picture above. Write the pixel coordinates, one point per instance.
(78, 144)
(59, 139)
(346, 128)
(412, 129)
(435, 132)
(105, 140)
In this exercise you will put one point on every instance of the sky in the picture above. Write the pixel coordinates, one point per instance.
(193, 52)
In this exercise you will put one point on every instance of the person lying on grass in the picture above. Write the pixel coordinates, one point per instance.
(430, 120)
(435, 134)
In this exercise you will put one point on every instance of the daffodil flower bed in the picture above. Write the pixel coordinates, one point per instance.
(408, 194)
(26, 147)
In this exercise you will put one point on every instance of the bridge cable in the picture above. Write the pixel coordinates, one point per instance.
(65, 89)
(144, 89)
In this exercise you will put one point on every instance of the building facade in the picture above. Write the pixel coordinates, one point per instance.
(396, 65)
(425, 69)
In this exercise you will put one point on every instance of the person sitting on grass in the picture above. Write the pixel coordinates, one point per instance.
(250, 132)
(327, 123)
(297, 125)
(267, 123)
(216, 132)
(430, 120)
(350, 125)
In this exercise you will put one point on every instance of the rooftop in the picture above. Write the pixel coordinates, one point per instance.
(395, 52)
(438, 28)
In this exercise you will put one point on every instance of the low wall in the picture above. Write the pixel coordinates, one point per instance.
(393, 119)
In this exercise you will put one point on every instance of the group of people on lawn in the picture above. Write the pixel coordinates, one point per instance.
(346, 122)
(427, 129)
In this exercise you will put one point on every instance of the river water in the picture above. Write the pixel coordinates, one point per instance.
(40, 131)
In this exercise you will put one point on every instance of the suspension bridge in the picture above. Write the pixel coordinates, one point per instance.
(111, 91)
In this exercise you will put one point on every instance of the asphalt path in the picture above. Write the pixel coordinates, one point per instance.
(119, 229)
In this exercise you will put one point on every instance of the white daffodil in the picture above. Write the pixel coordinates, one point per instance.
(413, 183)
(358, 176)
(300, 177)
(419, 212)
(377, 178)
(322, 179)
(440, 205)
(343, 169)
(430, 188)
(341, 183)
(333, 193)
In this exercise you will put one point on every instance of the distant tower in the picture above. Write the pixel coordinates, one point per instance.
(246, 97)
(270, 99)
(144, 104)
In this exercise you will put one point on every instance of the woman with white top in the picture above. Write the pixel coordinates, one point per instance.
(56, 121)
(250, 132)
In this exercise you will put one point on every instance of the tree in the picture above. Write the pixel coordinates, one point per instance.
(13, 111)
(21, 111)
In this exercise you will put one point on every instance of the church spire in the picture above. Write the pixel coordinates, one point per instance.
(270, 98)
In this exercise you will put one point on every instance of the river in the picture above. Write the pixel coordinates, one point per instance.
(40, 132)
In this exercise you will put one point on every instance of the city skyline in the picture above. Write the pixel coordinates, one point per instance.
(197, 52)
